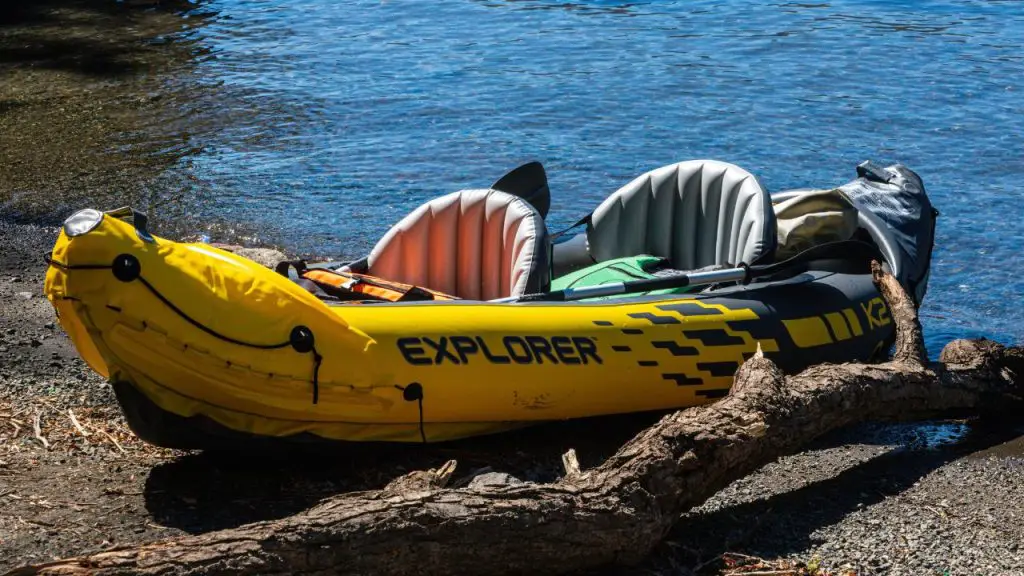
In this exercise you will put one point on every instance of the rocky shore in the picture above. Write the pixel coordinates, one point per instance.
(931, 498)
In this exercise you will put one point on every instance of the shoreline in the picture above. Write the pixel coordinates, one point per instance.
(895, 499)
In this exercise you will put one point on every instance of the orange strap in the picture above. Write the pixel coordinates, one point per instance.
(350, 285)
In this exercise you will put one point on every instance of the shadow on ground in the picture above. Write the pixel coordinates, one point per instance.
(209, 491)
(215, 490)
(782, 524)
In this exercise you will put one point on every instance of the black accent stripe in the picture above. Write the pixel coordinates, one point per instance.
(714, 393)
(298, 346)
(828, 327)
(714, 337)
(170, 305)
(620, 348)
(758, 329)
(849, 328)
(683, 379)
(317, 359)
(209, 331)
(50, 261)
(633, 331)
(689, 309)
(719, 368)
(602, 323)
(423, 429)
(647, 362)
(654, 318)
(675, 348)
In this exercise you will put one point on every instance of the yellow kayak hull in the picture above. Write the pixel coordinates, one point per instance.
(202, 333)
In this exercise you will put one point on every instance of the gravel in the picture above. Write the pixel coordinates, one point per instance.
(927, 498)
(933, 498)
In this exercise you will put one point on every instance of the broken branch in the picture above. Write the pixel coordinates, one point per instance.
(37, 430)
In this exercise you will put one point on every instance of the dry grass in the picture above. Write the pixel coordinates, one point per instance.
(735, 564)
(39, 424)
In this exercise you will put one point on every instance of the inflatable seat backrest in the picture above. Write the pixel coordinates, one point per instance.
(472, 244)
(696, 213)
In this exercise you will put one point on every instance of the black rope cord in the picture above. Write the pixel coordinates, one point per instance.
(204, 328)
(127, 268)
(413, 392)
(48, 257)
(317, 359)
(302, 340)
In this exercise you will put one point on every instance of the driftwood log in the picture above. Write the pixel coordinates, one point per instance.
(614, 513)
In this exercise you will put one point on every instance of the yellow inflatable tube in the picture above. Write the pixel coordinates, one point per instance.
(199, 331)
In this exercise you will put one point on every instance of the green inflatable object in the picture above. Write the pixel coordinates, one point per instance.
(625, 269)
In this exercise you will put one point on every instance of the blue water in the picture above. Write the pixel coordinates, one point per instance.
(335, 119)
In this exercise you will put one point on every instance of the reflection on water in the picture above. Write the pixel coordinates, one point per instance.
(936, 435)
(94, 111)
(987, 437)
(923, 435)
(318, 125)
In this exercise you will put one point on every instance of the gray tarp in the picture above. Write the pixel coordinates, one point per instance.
(888, 204)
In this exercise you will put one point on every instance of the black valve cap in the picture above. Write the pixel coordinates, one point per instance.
(301, 339)
(126, 267)
(412, 392)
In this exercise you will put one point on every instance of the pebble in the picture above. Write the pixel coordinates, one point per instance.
(844, 498)
(25, 295)
(882, 513)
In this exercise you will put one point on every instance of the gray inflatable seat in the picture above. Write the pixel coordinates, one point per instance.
(696, 213)
(474, 244)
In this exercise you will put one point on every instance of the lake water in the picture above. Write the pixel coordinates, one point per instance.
(318, 124)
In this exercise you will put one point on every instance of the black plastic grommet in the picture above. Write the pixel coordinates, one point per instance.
(412, 392)
(126, 268)
(301, 339)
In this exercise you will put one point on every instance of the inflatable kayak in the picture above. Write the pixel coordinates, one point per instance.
(467, 318)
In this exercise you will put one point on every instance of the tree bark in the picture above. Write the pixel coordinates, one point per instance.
(614, 513)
